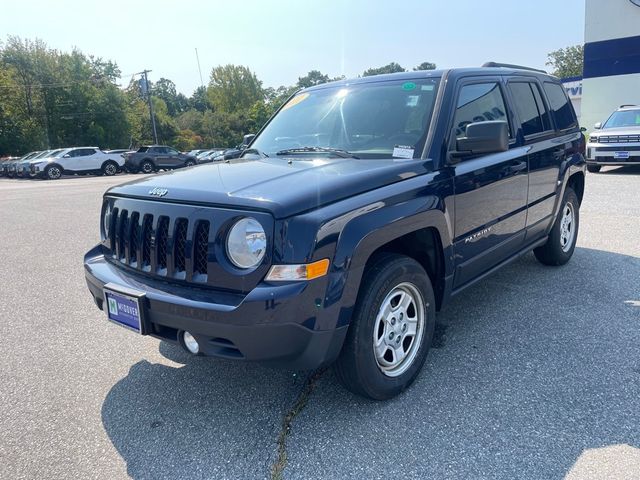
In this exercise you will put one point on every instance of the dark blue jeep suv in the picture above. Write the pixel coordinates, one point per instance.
(358, 211)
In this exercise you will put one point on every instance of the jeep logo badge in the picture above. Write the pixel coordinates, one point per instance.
(158, 192)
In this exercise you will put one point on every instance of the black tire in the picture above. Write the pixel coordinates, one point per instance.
(109, 168)
(594, 168)
(52, 172)
(358, 367)
(189, 163)
(147, 167)
(557, 251)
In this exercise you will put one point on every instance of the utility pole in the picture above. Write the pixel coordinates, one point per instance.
(151, 114)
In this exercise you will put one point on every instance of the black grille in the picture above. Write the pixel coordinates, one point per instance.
(113, 221)
(160, 245)
(201, 248)
(162, 239)
(134, 237)
(122, 234)
(180, 244)
(147, 232)
(619, 138)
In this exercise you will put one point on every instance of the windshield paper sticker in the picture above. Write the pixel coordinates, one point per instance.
(402, 151)
(296, 100)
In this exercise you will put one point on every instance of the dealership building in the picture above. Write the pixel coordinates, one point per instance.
(611, 74)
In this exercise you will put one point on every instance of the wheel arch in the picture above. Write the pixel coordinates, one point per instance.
(423, 236)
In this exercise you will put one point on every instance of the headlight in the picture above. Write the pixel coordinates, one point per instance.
(246, 243)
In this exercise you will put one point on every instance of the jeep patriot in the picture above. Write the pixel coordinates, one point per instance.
(358, 211)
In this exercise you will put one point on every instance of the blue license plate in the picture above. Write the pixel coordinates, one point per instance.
(124, 308)
(621, 155)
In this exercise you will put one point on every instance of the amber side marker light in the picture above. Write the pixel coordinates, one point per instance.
(302, 272)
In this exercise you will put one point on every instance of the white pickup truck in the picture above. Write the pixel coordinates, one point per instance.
(78, 160)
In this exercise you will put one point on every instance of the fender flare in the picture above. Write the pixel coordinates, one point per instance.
(366, 233)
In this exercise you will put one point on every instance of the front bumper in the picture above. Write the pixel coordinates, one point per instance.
(609, 154)
(272, 324)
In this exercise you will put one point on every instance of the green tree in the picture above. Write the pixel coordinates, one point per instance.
(314, 77)
(166, 90)
(199, 100)
(393, 67)
(234, 88)
(425, 66)
(567, 62)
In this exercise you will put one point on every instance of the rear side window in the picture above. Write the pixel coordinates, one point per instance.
(479, 102)
(561, 109)
(530, 107)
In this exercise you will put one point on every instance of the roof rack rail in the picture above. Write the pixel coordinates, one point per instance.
(509, 65)
(628, 105)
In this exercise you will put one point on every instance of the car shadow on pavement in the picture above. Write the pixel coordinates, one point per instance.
(532, 367)
(203, 419)
(630, 170)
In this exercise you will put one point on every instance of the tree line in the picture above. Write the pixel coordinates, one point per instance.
(50, 98)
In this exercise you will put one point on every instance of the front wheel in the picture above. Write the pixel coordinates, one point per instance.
(564, 234)
(391, 329)
(189, 163)
(52, 172)
(594, 168)
(147, 167)
(110, 169)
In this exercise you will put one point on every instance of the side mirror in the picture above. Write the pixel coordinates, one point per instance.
(483, 137)
(598, 126)
(66, 156)
(247, 139)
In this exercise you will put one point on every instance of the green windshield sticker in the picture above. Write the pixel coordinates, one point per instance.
(408, 86)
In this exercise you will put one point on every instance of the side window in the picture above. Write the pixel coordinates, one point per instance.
(561, 108)
(171, 151)
(73, 153)
(530, 107)
(479, 102)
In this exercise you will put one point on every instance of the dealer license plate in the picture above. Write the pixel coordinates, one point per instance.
(123, 308)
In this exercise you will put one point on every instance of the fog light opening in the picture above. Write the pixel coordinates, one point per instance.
(190, 343)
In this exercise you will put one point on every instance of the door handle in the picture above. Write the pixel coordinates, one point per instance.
(516, 167)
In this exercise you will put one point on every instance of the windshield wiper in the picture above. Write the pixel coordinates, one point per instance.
(335, 151)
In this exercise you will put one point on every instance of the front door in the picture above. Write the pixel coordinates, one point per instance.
(490, 190)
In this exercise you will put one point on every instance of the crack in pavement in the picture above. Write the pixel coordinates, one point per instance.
(277, 469)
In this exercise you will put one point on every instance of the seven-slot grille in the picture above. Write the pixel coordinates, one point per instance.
(619, 138)
(158, 245)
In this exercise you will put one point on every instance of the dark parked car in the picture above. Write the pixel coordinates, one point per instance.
(151, 158)
(359, 210)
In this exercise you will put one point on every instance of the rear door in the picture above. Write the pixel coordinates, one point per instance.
(162, 157)
(547, 151)
(490, 190)
(174, 159)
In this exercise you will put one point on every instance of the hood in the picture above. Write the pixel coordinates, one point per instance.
(279, 185)
(617, 131)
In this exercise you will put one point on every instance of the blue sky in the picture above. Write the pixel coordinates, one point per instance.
(282, 40)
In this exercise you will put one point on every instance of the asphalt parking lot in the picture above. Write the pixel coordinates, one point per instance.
(535, 372)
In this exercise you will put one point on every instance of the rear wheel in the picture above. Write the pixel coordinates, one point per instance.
(52, 172)
(564, 234)
(147, 167)
(110, 168)
(391, 329)
(594, 168)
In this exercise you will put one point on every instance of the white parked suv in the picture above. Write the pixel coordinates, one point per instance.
(617, 141)
(78, 160)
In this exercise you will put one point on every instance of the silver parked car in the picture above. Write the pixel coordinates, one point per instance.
(617, 141)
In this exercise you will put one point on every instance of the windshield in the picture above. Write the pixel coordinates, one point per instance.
(624, 118)
(369, 120)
